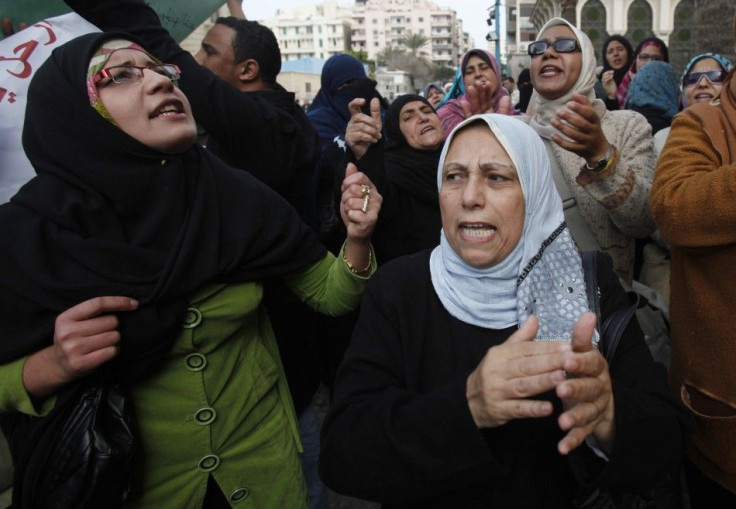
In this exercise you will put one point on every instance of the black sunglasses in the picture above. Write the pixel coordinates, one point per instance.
(564, 45)
(713, 76)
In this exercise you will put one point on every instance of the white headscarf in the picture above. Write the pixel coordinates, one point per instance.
(542, 110)
(543, 273)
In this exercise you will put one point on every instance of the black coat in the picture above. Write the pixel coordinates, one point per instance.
(400, 431)
(264, 133)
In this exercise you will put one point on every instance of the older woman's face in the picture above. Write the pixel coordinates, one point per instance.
(481, 200)
(434, 96)
(420, 126)
(554, 74)
(152, 110)
(703, 90)
(477, 71)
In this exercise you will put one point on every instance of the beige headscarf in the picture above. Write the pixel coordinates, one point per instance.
(542, 110)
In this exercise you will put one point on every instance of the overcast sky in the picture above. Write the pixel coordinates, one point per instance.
(473, 13)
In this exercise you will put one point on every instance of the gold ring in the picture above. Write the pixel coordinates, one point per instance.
(366, 198)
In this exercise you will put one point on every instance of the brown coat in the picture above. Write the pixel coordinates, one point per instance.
(693, 201)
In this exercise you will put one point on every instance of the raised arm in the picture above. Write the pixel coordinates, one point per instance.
(363, 130)
(692, 195)
(236, 8)
(622, 188)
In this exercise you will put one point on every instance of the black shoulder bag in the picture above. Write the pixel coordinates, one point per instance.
(80, 456)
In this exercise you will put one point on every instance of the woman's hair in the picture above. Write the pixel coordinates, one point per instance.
(645, 43)
(618, 74)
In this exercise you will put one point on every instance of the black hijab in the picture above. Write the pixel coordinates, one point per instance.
(619, 74)
(107, 215)
(408, 168)
(524, 82)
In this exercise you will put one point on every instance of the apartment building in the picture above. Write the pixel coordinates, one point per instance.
(317, 31)
(379, 24)
(519, 32)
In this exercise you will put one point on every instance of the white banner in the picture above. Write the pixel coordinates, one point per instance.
(20, 55)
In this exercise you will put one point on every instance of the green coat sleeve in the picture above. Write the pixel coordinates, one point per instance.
(328, 286)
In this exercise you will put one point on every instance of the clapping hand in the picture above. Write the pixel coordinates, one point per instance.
(586, 395)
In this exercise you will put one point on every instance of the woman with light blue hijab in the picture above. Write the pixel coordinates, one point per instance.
(452, 394)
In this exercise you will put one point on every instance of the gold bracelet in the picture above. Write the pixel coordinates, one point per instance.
(352, 268)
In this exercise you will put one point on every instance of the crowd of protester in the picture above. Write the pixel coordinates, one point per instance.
(515, 290)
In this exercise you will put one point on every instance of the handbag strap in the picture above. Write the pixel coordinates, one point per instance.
(615, 324)
(579, 229)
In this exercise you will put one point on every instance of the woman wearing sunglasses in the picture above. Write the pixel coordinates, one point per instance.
(602, 160)
(701, 81)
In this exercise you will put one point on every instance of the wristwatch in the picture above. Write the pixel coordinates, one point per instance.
(602, 163)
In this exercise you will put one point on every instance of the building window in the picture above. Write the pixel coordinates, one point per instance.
(593, 23)
(682, 37)
(308, 87)
(639, 21)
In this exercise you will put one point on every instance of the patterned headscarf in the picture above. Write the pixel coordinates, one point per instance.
(725, 64)
(542, 110)
(655, 89)
(542, 275)
(97, 63)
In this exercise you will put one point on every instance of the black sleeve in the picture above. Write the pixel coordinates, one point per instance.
(652, 427)
(386, 441)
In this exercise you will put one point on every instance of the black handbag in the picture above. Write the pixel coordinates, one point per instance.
(663, 492)
(80, 456)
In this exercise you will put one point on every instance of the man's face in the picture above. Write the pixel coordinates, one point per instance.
(217, 54)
